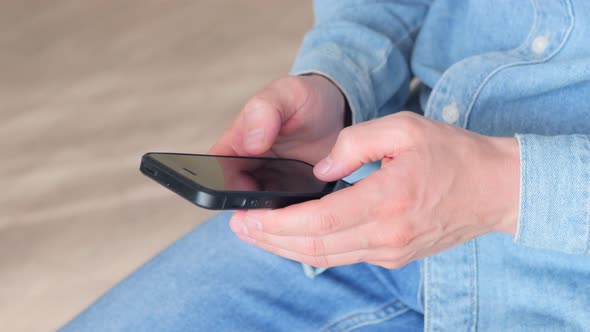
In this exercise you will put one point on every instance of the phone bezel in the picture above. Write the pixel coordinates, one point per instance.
(213, 199)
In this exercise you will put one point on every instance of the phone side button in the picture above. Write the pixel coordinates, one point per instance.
(237, 202)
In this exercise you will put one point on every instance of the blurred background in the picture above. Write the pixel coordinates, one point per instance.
(86, 87)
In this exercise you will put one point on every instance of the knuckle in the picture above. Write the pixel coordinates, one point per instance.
(260, 237)
(408, 119)
(398, 238)
(314, 247)
(408, 114)
(382, 264)
(345, 142)
(377, 240)
(345, 136)
(364, 242)
(319, 261)
(257, 102)
(297, 84)
(362, 257)
(390, 265)
(398, 208)
(401, 238)
(404, 203)
(403, 199)
(411, 126)
(298, 87)
(325, 223)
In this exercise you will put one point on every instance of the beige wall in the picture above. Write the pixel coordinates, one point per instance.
(86, 87)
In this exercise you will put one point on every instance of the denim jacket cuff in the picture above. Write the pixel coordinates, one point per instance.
(555, 193)
(344, 74)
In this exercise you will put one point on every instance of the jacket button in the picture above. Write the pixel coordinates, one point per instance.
(450, 113)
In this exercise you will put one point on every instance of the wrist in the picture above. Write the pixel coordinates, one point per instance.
(507, 179)
(336, 97)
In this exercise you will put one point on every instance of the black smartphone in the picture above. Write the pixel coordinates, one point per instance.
(236, 183)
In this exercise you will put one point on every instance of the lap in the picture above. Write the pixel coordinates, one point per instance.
(210, 280)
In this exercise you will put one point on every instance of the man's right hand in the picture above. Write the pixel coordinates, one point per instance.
(295, 117)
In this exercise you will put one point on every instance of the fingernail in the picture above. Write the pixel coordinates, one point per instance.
(253, 223)
(324, 165)
(254, 137)
(244, 229)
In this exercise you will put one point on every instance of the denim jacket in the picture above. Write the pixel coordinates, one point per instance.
(498, 68)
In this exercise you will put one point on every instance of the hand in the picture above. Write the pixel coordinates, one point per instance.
(295, 117)
(439, 186)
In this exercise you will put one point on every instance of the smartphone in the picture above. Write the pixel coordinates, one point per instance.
(236, 183)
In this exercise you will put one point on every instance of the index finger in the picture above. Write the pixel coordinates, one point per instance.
(337, 211)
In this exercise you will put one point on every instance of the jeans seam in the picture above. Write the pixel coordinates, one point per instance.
(474, 280)
(427, 290)
(420, 295)
(359, 319)
(587, 208)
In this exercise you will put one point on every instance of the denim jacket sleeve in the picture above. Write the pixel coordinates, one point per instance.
(364, 47)
(555, 193)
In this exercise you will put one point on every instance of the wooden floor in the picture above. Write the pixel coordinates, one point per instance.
(86, 87)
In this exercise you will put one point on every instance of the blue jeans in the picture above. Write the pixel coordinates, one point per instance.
(209, 280)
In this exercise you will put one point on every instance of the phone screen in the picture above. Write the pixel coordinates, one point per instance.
(245, 174)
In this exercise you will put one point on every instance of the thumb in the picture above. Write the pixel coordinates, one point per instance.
(358, 145)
